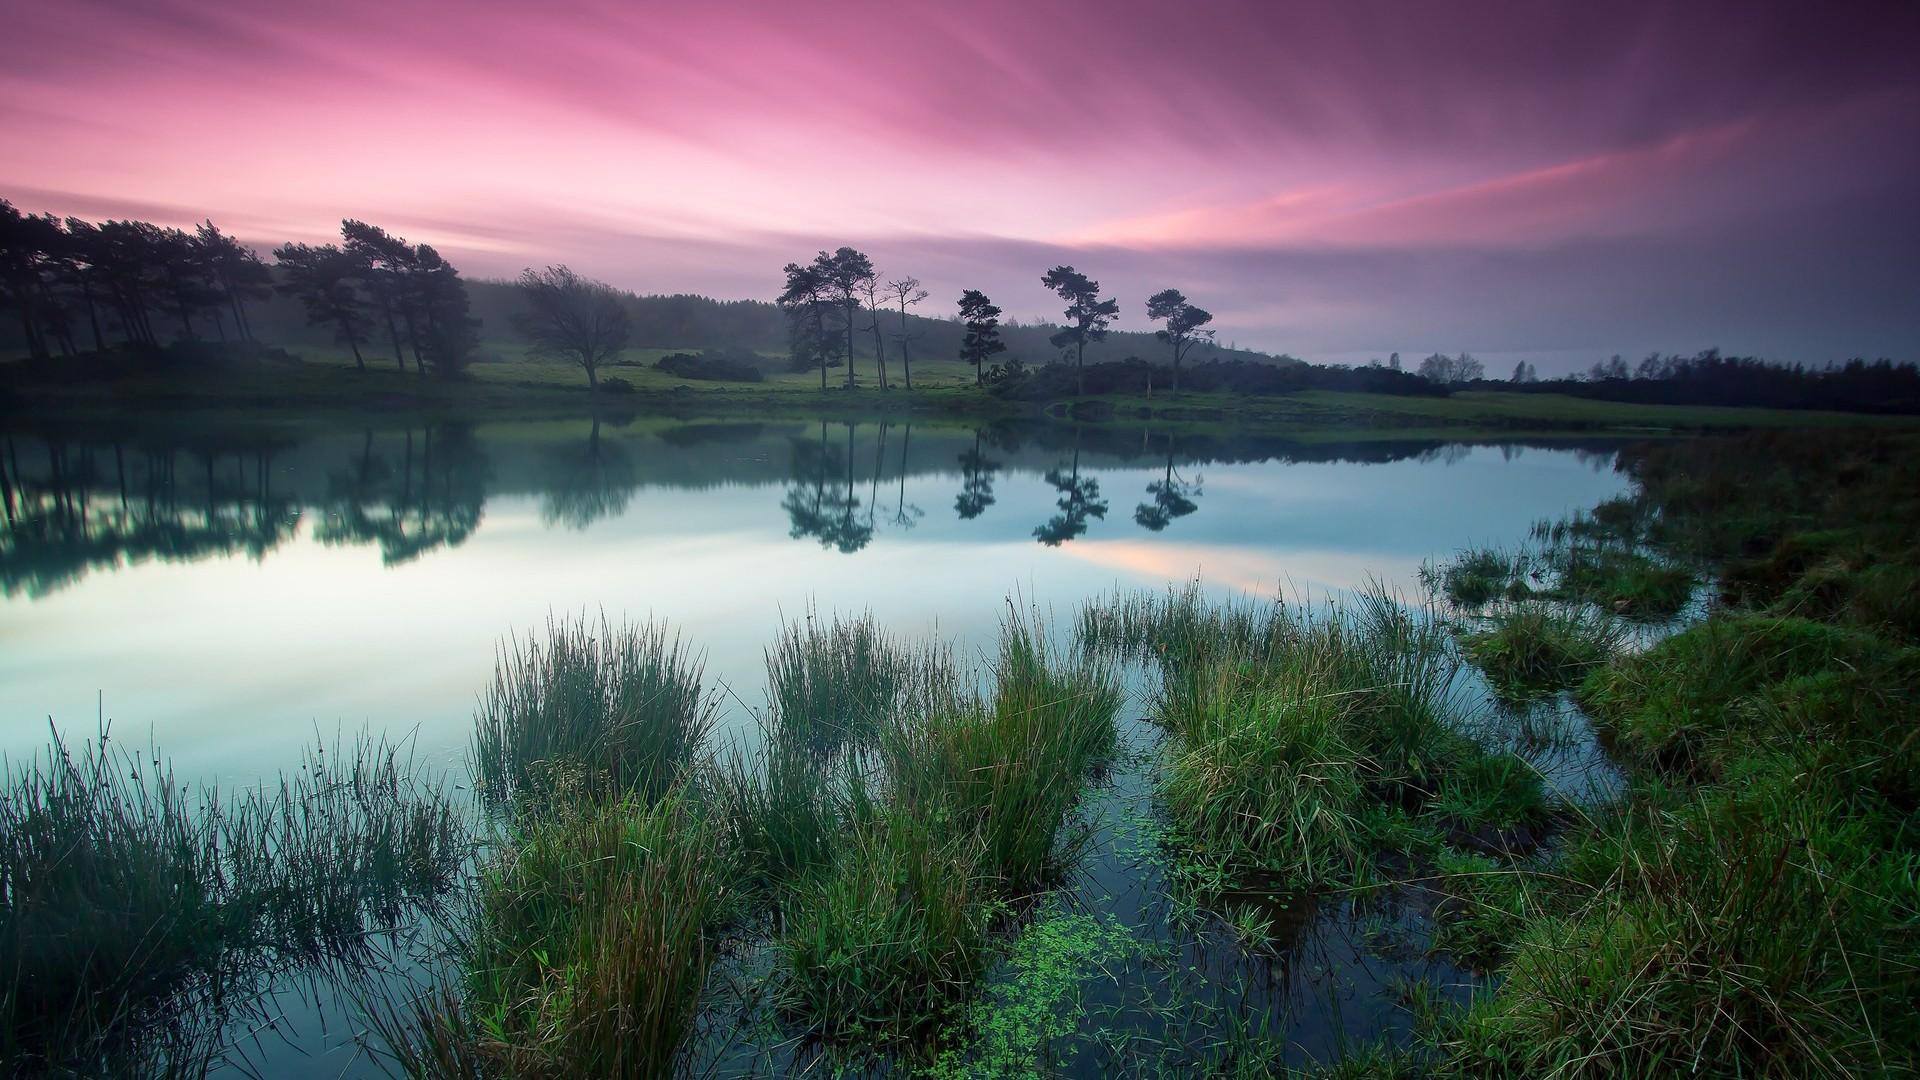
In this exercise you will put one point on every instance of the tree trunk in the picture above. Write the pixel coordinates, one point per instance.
(850, 308)
(346, 331)
(1079, 378)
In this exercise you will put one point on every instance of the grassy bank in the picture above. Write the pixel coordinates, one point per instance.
(506, 382)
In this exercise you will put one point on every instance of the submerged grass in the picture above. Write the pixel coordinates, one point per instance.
(594, 710)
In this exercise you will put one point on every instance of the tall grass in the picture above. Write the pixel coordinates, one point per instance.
(597, 710)
(134, 905)
(887, 942)
(1536, 648)
(831, 682)
(589, 952)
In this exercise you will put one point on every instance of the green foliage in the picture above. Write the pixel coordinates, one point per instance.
(1479, 576)
(1536, 648)
(130, 901)
(831, 682)
(891, 936)
(1691, 701)
(594, 711)
(590, 949)
(1487, 790)
(1624, 581)
(1034, 1003)
(1488, 906)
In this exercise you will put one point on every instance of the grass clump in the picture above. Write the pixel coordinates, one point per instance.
(589, 952)
(889, 939)
(831, 682)
(594, 710)
(1751, 931)
(1479, 576)
(1488, 905)
(133, 908)
(1535, 649)
(1694, 701)
(1624, 582)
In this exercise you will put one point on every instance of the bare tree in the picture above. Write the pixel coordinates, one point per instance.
(573, 318)
(906, 292)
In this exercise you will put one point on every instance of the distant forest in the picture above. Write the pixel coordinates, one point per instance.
(87, 298)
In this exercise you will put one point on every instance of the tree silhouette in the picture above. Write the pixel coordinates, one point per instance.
(845, 275)
(234, 269)
(571, 318)
(321, 278)
(28, 245)
(449, 333)
(870, 288)
(906, 292)
(1087, 316)
(976, 482)
(1183, 325)
(981, 317)
(384, 265)
(805, 304)
(1079, 500)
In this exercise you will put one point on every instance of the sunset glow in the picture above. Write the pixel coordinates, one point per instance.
(1333, 181)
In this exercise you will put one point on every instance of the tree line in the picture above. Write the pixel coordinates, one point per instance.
(121, 282)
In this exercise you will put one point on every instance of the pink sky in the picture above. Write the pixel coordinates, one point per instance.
(1557, 181)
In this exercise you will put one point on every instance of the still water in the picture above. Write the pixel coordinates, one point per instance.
(228, 594)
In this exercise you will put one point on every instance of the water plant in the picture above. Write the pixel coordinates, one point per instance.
(594, 709)
(1536, 648)
(588, 953)
(133, 907)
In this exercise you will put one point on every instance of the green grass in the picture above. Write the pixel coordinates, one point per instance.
(138, 909)
(591, 711)
(590, 952)
(889, 941)
(831, 682)
(1623, 581)
(1478, 576)
(1533, 648)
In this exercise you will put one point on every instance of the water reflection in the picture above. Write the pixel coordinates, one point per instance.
(74, 502)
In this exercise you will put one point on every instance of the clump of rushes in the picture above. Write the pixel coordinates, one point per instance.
(830, 682)
(1486, 907)
(1284, 751)
(132, 908)
(886, 942)
(1623, 581)
(1008, 772)
(1697, 700)
(1534, 649)
(589, 951)
(1754, 930)
(1479, 576)
(595, 710)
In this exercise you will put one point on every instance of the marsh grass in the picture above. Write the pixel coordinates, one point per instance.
(831, 682)
(1477, 577)
(1535, 648)
(1751, 931)
(594, 710)
(887, 943)
(1624, 581)
(136, 907)
(589, 951)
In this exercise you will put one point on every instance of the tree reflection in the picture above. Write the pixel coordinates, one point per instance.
(58, 526)
(816, 503)
(434, 499)
(1079, 500)
(588, 484)
(976, 482)
(1169, 498)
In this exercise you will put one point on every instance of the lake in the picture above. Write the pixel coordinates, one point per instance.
(231, 593)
